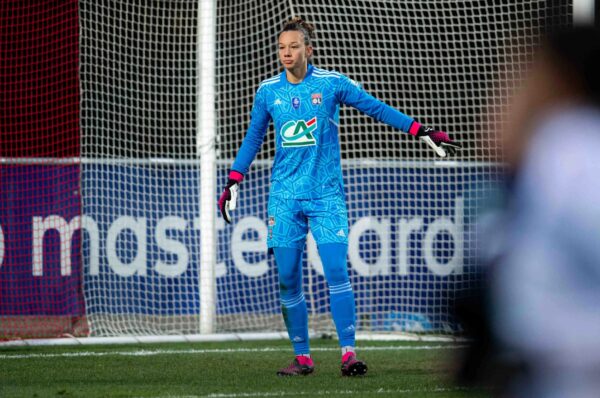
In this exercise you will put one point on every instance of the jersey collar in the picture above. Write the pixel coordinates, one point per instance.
(309, 71)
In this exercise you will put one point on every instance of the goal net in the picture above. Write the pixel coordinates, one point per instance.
(40, 289)
(100, 216)
(440, 62)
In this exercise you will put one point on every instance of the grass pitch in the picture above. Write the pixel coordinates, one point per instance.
(226, 370)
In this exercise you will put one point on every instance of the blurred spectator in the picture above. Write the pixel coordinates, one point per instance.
(546, 284)
(544, 256)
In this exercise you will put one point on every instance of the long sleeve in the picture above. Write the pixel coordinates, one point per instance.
(259, 122)
(350, 93)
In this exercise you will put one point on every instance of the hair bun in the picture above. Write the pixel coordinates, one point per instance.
(299, 24)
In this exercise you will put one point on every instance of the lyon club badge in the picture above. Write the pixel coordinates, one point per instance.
(316, 98)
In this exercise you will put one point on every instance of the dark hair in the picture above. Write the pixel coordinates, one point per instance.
(577, 51)
(300, 25)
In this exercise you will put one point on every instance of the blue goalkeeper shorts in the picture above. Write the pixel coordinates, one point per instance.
(289, 220)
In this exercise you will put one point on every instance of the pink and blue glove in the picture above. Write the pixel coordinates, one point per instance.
(228, 200)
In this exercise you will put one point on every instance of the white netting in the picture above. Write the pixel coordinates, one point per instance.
(40, 272)
(140, 174)
(437, 61)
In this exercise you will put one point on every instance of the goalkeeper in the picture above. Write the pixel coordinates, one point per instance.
(306, 183)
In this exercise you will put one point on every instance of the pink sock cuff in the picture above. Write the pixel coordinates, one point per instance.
(414, 128)
(347, 355)
(302, 360)
(236, 176)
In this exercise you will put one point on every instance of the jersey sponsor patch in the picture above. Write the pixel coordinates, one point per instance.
(298, 133)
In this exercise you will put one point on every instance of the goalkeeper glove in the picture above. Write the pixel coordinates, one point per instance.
(439, 141)
(228, 199)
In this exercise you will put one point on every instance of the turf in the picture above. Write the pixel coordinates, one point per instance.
(225, 370)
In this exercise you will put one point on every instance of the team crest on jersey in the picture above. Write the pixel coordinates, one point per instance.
(316, 98)
(296, 102)
(299, 133)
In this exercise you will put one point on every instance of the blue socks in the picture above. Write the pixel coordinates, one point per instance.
(341, 296)
(293, 304)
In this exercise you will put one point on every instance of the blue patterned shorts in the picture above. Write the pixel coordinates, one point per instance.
(290, 219)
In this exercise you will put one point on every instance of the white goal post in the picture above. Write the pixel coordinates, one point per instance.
(206, 125)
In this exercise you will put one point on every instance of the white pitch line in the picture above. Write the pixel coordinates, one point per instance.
(144, 353)
(381, 391)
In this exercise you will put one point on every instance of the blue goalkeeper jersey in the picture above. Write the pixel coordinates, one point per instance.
(306, 120)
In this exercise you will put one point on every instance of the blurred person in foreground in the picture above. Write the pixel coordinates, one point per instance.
(544, 275)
